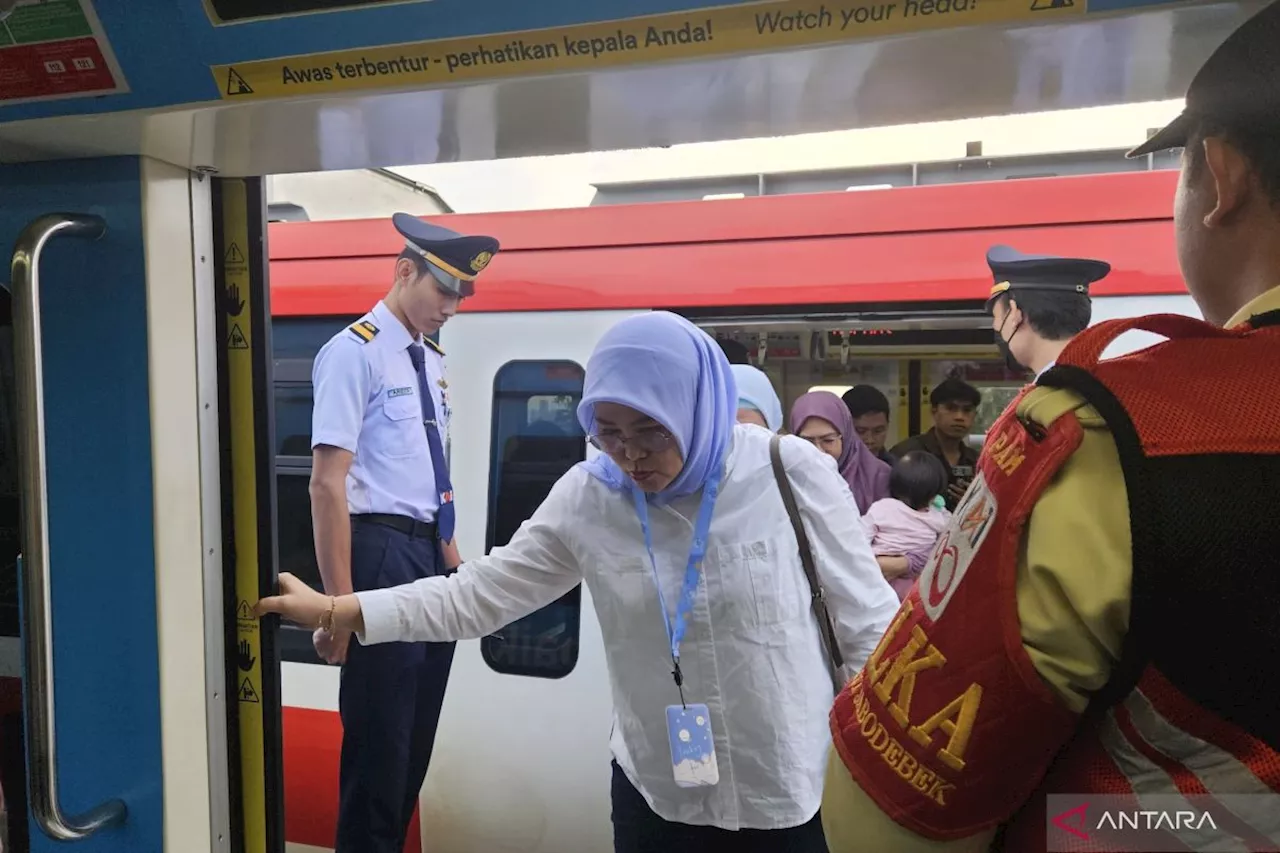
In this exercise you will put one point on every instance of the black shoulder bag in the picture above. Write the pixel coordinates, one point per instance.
(826, 629)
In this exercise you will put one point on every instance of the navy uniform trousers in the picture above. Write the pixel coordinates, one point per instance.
(390, 698)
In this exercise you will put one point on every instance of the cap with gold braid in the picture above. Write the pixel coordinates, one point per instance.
(453, 259)
(1014, 271)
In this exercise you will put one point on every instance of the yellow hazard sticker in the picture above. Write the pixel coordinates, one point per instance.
(749, 28)
(248, 651)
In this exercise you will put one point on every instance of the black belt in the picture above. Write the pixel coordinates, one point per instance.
(409, 526)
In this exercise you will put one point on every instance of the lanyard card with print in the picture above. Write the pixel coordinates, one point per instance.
(693, 749)
(693, 757)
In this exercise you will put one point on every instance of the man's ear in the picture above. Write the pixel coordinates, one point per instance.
(1229, 175)
(405, 269)
(1013, 309)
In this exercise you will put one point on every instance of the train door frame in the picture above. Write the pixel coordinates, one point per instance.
(252, 669)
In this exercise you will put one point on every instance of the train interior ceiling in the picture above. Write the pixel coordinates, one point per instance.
(902, 351)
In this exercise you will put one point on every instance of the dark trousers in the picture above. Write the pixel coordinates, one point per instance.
(636, 829)
(389, 701)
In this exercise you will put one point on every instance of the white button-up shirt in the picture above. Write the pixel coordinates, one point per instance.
(751, 651)
(366, 401)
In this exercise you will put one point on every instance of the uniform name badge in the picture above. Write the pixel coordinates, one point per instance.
(693, 750)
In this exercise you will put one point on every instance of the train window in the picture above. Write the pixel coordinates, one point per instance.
(293, 521)
(535, 439)
(296, 550)
(293, 418)
(302, 337)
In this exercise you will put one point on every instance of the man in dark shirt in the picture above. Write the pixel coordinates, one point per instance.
(870, 411)
(954, 404)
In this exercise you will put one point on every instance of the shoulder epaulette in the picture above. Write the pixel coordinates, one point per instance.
(364, 330)
(435, 346)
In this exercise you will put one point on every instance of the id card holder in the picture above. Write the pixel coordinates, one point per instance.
(693, 751)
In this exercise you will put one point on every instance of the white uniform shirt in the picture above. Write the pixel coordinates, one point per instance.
(1044, 370)
(752, 651)
(366, 401)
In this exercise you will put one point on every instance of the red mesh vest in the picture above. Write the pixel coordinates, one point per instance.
(949, 728)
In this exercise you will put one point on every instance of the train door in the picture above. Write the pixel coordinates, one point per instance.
(118, 654)
(530, 704)
(904, 358)
(98, 501)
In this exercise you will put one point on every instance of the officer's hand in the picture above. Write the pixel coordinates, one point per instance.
(332, 648)
(296, 602)
(956, 490)
(452, 559)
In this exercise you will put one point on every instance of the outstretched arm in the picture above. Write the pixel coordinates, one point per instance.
(512, 581)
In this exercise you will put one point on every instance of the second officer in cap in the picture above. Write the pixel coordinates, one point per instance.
(383, 513)
(1038, 304)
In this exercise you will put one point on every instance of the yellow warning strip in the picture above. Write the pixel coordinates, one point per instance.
(239, 343)
(738, 29)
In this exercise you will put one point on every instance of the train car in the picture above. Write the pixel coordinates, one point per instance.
(140, 453)
(883, 287)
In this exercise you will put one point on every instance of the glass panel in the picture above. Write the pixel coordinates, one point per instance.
(302, 337)
(293, 522)
(293, 418)
(535, 440)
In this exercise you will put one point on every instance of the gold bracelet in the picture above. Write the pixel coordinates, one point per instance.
(328, 617)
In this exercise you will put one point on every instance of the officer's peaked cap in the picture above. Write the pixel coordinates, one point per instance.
(1238, 85)
(1014, 271)
(454, 259)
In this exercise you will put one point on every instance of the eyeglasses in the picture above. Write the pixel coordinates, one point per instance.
(647, 441)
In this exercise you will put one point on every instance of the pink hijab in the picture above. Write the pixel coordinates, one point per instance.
(867, 476)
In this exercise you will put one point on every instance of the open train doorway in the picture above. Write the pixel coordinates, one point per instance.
(903, 351)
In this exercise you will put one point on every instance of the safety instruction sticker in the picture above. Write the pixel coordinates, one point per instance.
(248, 650)
(747, 28)
(52, 49)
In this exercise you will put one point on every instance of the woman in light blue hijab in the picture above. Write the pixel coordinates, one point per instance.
(719, 677)
(758, 403)
(670, 381)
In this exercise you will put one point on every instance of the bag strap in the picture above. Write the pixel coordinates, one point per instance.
(1085, 350)
(826, 629)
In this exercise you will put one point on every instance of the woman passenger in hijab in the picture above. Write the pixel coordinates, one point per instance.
(680, 534)
(758, 403)
(822, 418)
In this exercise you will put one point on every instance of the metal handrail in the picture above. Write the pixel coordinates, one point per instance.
(34, 562)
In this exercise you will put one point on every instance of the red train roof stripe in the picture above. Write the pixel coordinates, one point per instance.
(993, 204)
(814, 249)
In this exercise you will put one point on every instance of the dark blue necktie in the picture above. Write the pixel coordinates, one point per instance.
(444, 518)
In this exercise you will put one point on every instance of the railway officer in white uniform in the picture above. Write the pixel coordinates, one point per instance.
(382, 508)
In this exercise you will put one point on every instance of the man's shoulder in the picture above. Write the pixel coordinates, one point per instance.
(907, 445)
(1044, 406)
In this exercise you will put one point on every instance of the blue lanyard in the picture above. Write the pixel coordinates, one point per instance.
(692, 573)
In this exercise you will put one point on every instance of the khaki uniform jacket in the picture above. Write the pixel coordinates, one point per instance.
(1073, 588)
